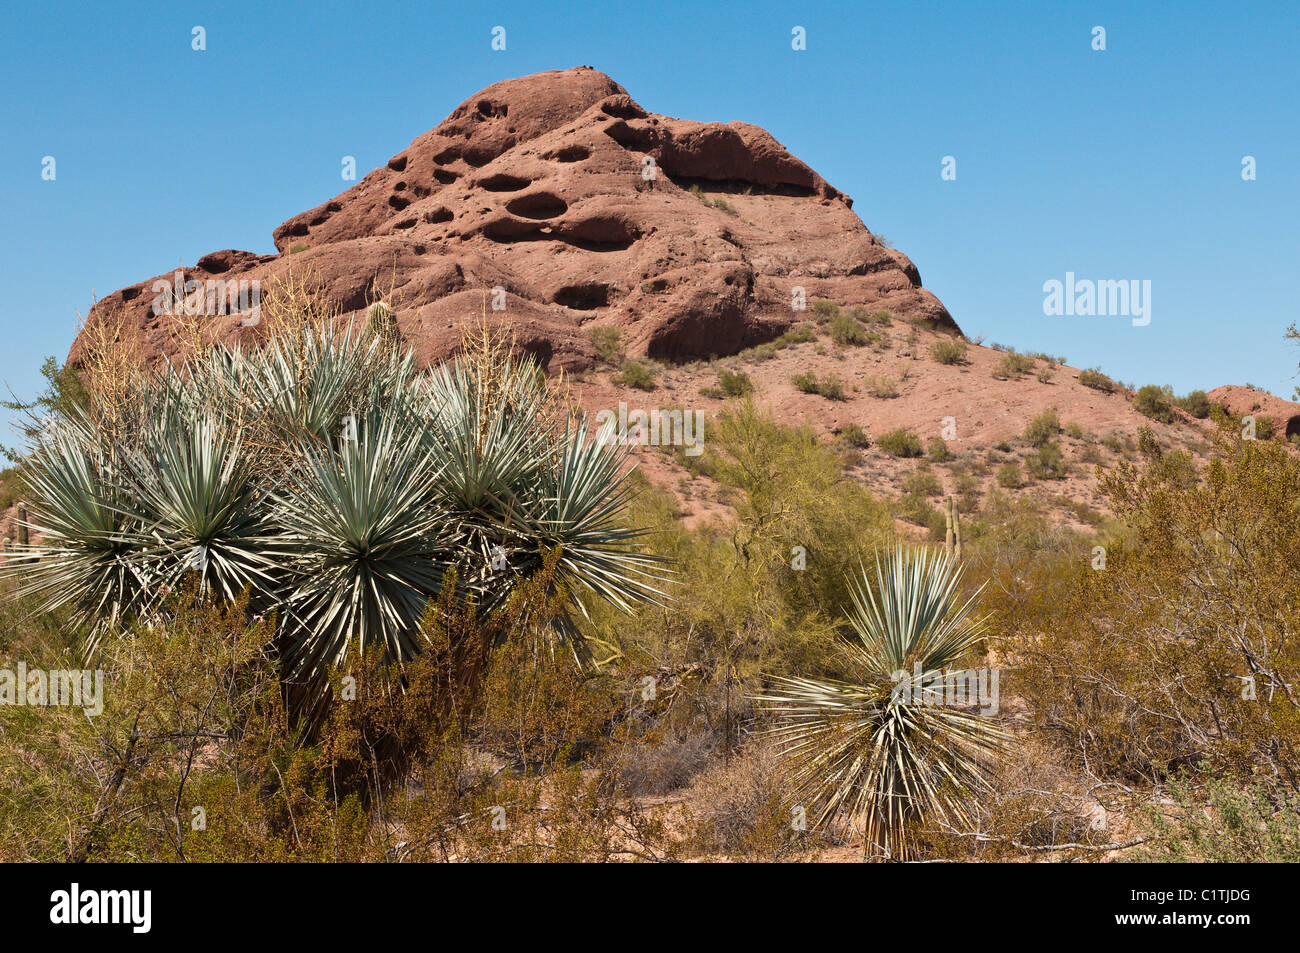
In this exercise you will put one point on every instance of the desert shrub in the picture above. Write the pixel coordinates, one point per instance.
(1180, 675)
(922, 483)
(735, 384)
(1047, 463)
(1264, 428)
(848, 331)
(830, 386)
(823, 311)
(800, 334)
(1222, 822)
(900, 442)
(1155, 402)
(1042, 427)
(937, 450)
(1075, 431)
(882, 317)
(1095, 379)
(1044, 375)
(661, 766)
(1009, 476)
(1013, 366)
(730, 384)
(609, 347)
(742, 809)
(883, 388)
(1196, 403)
(635, 374)
(949, 352)
(855, 436)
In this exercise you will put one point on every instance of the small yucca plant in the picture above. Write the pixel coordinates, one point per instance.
(866, 752)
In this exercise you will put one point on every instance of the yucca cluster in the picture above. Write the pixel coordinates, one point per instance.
(335, 483)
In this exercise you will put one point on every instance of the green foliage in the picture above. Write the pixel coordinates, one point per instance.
(1013, 366)
(855, 436)
(830, 386)
(1155, 402)
(735, 384)
(846, 331)
(635, 374)
(900, 442)
(1211, 551)
(609, 347)
(949, 352)
(1009, 476)
(332, 483)
(1224, 823)
(1043, 428)
(1196, 403)
(937, 450)
(1047, 463)
(1095, 379)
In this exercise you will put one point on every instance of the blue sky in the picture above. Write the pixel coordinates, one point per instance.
(1122, 164)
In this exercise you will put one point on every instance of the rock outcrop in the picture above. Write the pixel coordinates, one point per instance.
(692, 238)
(1284, 414)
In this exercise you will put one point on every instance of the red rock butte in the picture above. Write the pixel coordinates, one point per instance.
(689, 237)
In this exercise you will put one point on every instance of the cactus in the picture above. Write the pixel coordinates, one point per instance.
(952, 540)
(22, 525)
(381, 322)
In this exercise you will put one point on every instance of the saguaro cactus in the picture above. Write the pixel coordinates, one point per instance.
(22, 525)
(952, 541)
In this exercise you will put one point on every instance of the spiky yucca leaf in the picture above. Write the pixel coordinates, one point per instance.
(197, 507)
(367, 546)
(80, 506)
(866, 751)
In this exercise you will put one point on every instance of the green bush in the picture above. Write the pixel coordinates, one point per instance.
(855, 436)
(636, 375)
(885, 388)
(949, 352)
(1047, 463)
(830, 386)
(847, 331)
(825, 310)
(937, 450)
(1009, 476)
(388, 482)
(1155, 402)
(605, 340)
(922, 483)
(1043, 428)
(735, 384)
(1197, 403)
(1013, 366)
(900, 443)
(1095, 379)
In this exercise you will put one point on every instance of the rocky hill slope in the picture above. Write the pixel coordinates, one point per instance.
(693, 238)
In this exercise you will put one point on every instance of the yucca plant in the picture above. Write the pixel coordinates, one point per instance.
(877, 751)
(338, 485)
